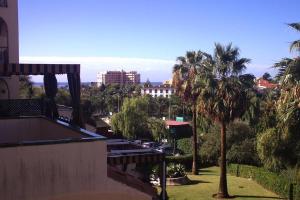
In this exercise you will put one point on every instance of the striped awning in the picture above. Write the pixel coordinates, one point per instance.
(38, 69)
(138, 158)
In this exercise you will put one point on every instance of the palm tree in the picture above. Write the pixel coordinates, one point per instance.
(295, 44)
(188, 85)
(288, 71)
(225, 97)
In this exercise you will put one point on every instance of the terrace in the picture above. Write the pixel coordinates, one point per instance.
(48, 158)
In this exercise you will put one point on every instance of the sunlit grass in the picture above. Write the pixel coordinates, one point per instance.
(206, 184)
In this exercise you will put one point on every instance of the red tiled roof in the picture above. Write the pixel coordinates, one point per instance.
(265, 84)
(176, 123)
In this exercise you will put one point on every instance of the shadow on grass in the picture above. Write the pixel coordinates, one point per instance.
(257, 197)
(202, 174)
(205, 170)
(194, 182)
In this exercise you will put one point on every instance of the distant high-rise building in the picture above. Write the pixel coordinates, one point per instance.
(118, 77)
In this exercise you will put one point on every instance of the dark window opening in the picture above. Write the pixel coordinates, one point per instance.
(3, 3)
(3, 42)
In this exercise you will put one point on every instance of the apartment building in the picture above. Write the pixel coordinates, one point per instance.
(118, 77)
(45, 158)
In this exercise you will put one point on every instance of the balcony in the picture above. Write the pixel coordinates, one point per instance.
(44, 159)
(3, 3)
(21, 107)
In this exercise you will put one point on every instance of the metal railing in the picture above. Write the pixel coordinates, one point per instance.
(21, 107)
(3, 53)
(3, 3)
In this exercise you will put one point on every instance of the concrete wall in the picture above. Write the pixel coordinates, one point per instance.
(31, 129)
(76, 171)
(10, 15)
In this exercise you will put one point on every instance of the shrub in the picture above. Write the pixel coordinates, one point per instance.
(278, 183)
(175, 170)
(185, 145)
(185, 160)
(268, 148)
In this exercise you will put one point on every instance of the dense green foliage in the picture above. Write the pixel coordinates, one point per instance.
(131, 121)
(241, 144)
(134, 121)
(185, 145)
(278, 183)
(157, 128)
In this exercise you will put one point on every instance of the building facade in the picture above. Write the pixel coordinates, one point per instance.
(165, 90)
(118, 77)
(9, 46)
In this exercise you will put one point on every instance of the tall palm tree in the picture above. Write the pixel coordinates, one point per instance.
(295, 44)
(225, 97)
(188, 85)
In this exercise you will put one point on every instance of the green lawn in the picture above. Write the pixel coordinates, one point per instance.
(206, 184)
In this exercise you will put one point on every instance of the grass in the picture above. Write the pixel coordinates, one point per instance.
(206, 184)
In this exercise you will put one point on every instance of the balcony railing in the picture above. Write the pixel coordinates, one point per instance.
(21, 107)
(3, 3)
(3, 53)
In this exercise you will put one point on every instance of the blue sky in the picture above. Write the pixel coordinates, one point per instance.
(148, 35)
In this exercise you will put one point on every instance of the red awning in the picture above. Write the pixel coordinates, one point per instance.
(176, 123)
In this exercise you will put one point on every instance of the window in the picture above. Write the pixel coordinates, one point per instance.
(3, 42)
(155, 95)
(161, 91)
(155, 90)
(3, 3)
(150, 90)
(167, 91)
(167, 96)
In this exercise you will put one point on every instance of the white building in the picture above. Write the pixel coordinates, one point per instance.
(99, 78)
(164, 90)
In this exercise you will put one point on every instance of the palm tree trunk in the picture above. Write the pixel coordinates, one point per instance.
(223, 191)
(195, 149)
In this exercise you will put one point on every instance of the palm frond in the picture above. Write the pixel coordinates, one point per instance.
(295, 45)
(181, 59)
(295, 26)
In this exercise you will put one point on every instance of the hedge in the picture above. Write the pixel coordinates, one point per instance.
(269, 180)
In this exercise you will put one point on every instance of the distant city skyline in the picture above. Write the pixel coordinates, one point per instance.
(147, 36)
